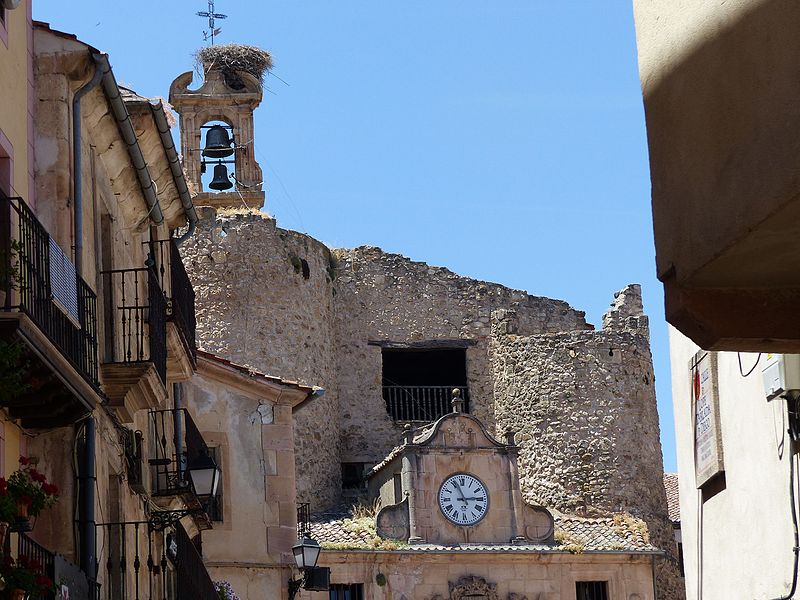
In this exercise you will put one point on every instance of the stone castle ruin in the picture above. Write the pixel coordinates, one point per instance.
(362, 323)
(388, 339)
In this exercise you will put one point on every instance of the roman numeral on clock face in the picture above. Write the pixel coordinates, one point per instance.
(463, 499)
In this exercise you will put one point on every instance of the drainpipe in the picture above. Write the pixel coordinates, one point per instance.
(177, 172)
(177, 394)
(87, 476)
(128, 134)
(77, 178)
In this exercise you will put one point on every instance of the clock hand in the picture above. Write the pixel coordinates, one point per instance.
(460, 491)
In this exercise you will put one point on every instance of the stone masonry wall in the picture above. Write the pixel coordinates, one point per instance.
(583, 401)
(264, 300)
(382, 296)
(584, 406)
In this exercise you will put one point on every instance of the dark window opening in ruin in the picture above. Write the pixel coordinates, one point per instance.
(418, 383)
(354, 475)
(304, 267)
(591, 590)
(347, 591)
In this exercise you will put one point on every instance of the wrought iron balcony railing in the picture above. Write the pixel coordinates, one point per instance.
(54, 566)
(139, 318)
(39, 280)
(143, 563)
(178, 290)
(192, 578)
(421, 402)
(134, 459)
(176, 445)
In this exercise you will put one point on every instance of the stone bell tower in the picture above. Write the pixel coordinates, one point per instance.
(231, 91)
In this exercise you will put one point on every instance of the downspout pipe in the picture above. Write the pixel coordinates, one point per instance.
(178, 176)
(177, 394)
(126, 130)
(86, 515)
(77, 178)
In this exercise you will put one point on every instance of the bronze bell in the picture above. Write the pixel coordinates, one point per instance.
(218, 143)
(221, 181)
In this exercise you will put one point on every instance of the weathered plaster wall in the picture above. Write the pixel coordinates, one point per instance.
(255, 307)
(583, 404)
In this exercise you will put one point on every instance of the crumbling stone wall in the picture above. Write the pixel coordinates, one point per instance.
(583, 401)
(383, 296)
(584, 406)
(264, 300)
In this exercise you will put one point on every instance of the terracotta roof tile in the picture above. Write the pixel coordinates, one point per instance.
(673, 497)
(338, 531)
(252, 372)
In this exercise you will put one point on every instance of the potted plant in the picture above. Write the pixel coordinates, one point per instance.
(30, 492)
(225, 591)
(24, 577)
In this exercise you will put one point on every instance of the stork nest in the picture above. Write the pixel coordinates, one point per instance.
(234, 58)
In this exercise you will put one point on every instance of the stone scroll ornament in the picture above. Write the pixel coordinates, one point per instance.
(474, 588)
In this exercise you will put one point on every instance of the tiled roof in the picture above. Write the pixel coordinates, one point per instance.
(128, 95)
(252, 372)
(673, 497)
(337, 530)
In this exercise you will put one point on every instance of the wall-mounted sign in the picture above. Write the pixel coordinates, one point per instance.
(705, 412)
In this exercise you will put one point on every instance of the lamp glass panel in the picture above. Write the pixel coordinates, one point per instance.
(205, 480)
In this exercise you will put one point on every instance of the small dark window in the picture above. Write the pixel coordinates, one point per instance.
(418, 384)
(354, 475)
(591, 590)
(680, 559)
(215, 507)
(347, 591)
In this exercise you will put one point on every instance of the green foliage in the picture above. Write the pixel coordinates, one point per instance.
(25, 574)
(30, 487)
(14, 370)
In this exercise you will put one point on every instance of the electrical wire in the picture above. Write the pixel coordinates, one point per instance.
(796, 548)
(750, 372)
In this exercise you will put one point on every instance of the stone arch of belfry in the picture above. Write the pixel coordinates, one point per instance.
(215, 100)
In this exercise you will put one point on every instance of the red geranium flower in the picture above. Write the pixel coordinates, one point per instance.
(23, 460)
(50, 489)
(44, 581)
(26, 500)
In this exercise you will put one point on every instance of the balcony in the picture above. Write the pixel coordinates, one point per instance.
(176, 445)
(135, 377)
(421, 403)
(181, 321)
(54, 566)
(49, 309)
(142, 562)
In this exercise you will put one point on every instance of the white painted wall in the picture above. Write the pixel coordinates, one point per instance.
(747, 534)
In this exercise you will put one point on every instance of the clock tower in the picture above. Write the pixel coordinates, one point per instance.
(451, 482)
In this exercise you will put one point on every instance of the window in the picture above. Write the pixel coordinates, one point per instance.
(418, 383)
(591, 590)
(347, 591)
(354, 475)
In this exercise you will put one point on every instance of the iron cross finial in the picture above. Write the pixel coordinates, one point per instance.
(211, 15)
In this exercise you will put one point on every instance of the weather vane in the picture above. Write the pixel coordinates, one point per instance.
(211, 15)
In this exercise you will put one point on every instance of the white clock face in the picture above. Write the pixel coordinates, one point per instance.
(463, 499)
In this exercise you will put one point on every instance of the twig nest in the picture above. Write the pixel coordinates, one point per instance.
(234, 58)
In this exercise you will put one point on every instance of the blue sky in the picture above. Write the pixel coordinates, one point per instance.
(503, 139)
